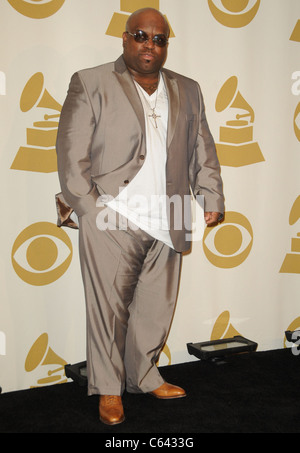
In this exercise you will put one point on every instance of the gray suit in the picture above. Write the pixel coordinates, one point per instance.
(101, 146)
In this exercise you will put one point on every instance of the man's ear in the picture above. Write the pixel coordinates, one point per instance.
(125, 37)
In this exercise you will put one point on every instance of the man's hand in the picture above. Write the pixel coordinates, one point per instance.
(212, 218)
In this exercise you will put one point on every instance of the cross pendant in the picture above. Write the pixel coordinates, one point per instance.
(154, 116)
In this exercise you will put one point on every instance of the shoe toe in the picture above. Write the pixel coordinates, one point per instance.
(168, 391)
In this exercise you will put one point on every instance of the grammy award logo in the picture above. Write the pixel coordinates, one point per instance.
(295, 36)
(42, 357)
(291, 263)
(223, 329)
(118, 22)
(36, 9)
(234, 13)
(236, 147)
(40, 154)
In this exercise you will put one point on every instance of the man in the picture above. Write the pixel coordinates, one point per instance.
(132, 131)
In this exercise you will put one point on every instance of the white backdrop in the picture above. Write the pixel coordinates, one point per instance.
(243, 276)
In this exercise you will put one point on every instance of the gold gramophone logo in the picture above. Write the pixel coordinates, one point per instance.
(40, 153)
(42, 360)
(236, 147)
(291, 263)
(229, 244)
(223, 329)
(118, 22)
(36, 9)
(295, 36)
(41, 254)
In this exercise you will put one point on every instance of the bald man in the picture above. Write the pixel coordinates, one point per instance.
(133, 141)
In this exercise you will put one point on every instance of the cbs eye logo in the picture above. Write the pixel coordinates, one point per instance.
(234, 13)
(36, 9)
(228, 245)
(41, 254)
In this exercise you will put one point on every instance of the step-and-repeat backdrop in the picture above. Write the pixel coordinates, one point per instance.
(241, 277)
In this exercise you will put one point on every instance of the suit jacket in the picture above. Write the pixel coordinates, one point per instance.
(101, 143)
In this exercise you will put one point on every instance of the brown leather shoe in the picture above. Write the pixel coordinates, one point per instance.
(168, 392)
(111, 409)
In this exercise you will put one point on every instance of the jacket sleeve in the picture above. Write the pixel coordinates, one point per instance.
(205, 172)
(73, 147)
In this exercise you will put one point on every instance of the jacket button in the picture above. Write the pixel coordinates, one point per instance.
(126, 181)
(142, 157)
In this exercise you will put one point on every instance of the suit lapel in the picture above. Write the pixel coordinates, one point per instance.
(125, 79)
(174, 105)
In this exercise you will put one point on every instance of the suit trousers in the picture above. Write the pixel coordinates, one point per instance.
(131, 283)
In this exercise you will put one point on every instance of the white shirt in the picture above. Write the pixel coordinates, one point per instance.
(143, 201)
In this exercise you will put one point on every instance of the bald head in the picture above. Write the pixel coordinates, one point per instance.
(151, 15)
(144, 58)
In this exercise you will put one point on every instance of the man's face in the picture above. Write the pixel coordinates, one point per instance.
(145, 58)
